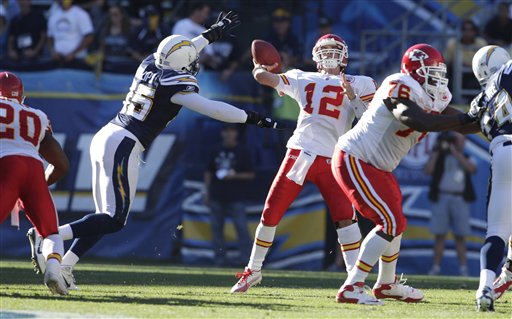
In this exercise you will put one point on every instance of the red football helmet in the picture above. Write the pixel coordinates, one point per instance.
(426, 65)
(330, 58)
(11, 86)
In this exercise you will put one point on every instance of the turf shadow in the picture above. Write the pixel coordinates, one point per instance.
(186, 300)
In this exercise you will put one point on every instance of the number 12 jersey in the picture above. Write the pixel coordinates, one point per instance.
(326, 112)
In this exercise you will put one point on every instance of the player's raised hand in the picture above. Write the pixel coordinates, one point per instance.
(222, 27)
(347, 87)
(263, 122)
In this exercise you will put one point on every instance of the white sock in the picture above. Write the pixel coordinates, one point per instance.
(486, 278)
(371, 249)
(388, 261)
(53, 247)
(66, 232)
(349, 238)
(70, 259)
(262, 241)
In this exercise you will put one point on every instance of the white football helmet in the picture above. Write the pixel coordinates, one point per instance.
(487, 61)
(330, 58)
(176, 52)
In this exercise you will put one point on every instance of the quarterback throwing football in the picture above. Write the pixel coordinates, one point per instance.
(329, 101)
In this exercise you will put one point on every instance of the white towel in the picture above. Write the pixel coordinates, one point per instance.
(15, 213)
(301, 167)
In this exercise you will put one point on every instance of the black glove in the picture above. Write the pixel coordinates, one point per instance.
(263, 122)
(224, 24)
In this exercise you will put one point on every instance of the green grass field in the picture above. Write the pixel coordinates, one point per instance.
(143, 291)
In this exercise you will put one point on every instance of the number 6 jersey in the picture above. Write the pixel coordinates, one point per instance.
(379, 138)
(326, 112)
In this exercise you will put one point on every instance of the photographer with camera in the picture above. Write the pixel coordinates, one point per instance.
(450, 192)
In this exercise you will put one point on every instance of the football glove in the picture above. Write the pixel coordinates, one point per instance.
(263, 122)
(223, 26)
(477, 107)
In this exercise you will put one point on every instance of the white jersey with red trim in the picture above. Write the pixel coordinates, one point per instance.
(22, 129)
(325, 111)
(379, 138)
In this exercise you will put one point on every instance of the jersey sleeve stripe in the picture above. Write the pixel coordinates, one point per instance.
(178, 80)
(367, 97)
(285, 79)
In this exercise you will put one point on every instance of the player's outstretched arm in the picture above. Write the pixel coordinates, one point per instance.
(469, 128)
(222, 111)
(51, 151)
(410, 114)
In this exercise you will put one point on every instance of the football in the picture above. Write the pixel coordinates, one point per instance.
(266, 54)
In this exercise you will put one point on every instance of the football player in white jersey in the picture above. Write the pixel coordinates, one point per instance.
(164, 83)
(25, 137)
(403, 110)
(329, 102)
(492, 67)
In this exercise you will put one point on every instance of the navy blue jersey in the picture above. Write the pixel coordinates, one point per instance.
(147, 108)
(497, 119)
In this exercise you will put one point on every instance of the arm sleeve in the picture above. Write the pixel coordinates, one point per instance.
(200, 43)
(217, 110)
(288, 83)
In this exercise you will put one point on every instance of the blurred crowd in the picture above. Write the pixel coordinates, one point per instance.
(496, 30)
(113, 35)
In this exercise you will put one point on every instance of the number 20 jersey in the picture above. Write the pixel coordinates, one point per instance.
(497, 119)
(23, 131)
(147, 108)
(325, 111)
(379, 138)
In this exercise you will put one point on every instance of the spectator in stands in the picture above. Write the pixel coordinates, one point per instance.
(324, 27)
(114, 37)
(193, 25)
(283, 39)
(459, 54)
(226, 179)
(70, 33)
(498, 29)
(97, 10)
(450, 192)
(146, 38)
(27, 33)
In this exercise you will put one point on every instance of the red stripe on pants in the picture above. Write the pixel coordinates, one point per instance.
(383, 183)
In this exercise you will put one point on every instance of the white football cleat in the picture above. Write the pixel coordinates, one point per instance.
(485, 299)
(502, 283)
(356, 294)
(69, 279)
(36, 248)
(248, 278)
(54, 281)
(397, 290)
